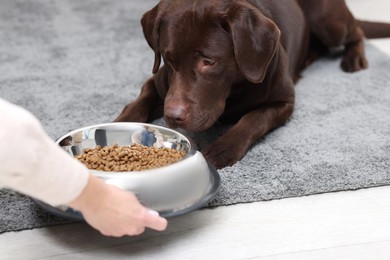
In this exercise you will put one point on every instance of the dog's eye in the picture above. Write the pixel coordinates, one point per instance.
(208, 62)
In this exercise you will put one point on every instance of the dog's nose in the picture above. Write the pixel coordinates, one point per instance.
(176, 115)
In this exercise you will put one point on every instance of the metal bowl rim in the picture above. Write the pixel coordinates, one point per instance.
(189, 154)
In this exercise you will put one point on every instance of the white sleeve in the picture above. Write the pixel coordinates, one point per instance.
(32, 163)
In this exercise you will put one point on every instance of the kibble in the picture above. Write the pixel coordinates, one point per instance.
(135, 157)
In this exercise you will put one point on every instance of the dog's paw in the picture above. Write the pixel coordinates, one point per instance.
(221, 154)
(353, 62)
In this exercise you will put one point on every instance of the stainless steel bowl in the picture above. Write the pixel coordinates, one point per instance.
(172, 190)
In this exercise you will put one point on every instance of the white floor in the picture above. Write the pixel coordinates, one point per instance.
(344, 225)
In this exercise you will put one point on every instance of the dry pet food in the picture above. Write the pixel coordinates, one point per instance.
(128, 158)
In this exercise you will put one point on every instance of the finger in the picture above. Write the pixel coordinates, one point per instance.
(154, 221)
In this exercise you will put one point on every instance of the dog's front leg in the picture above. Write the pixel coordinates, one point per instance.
(145, 108)
(232, 146)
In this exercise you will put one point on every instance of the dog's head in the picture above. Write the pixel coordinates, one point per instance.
(207, 46)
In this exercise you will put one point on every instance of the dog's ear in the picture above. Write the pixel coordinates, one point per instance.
(255, 39)
(150, 26)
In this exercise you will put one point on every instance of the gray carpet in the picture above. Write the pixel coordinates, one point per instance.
(76, 63)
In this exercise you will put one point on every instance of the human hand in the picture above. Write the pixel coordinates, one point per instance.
(115, 212)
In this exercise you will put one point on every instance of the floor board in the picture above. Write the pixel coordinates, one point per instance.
(341, 223)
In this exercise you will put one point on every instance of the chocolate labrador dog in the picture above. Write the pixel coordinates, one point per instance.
(236, 61)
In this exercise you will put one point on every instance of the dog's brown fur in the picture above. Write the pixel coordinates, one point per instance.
(237, 61)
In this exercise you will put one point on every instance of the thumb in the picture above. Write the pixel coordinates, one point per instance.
(153, 220)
